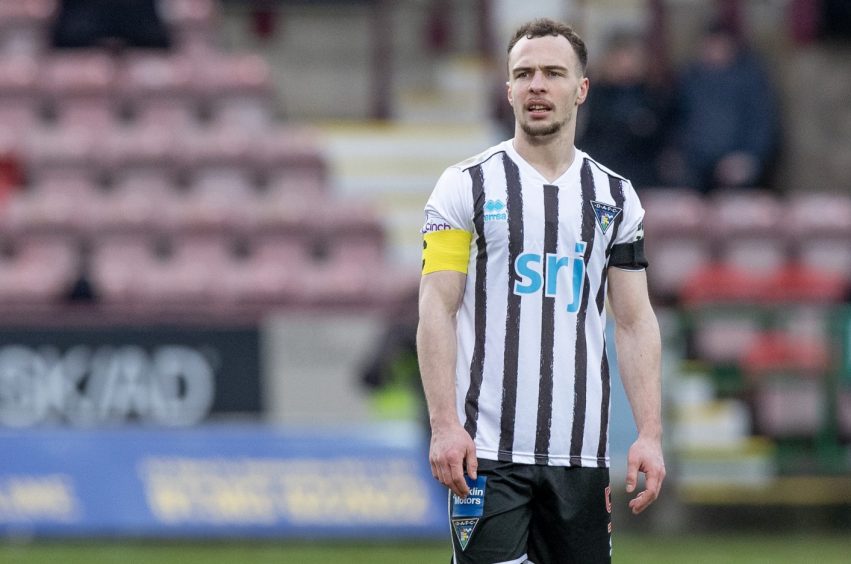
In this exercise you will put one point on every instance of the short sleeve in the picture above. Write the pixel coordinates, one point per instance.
(451, 203)
(632, 227)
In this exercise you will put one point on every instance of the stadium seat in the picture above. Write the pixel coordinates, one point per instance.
(18, 88)
(36, 268)
(225, 201)
(237, 89)
(55, 203)
(789, 407)
(191, 23)
(748, 228)
(274, 270)
(347, 252)
(678, 241)
(217, 152)
(137, 203)
(158, 92)
(23, 25)
(137, 150)
(820, 230)
(60, 152)
(786, 374)
(79, 87)
(119, 266)
(290, 159)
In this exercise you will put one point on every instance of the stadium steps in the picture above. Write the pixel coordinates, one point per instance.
(395, 166)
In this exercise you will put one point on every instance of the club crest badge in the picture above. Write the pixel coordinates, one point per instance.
(605, 214)
(465, 513)
(464, 530)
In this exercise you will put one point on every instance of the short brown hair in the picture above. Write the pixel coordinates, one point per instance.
(543, 27)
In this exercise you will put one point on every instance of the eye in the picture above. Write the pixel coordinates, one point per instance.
(554, 73)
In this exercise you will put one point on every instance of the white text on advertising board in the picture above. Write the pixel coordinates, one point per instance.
(254, 491)
(170, 385)
(27, 498)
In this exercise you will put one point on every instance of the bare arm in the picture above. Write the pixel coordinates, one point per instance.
(639, 351)
(451, 446)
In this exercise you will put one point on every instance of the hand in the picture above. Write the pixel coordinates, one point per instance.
(451, 450)
(645, 456)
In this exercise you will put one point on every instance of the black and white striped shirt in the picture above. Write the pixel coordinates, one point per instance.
(532, 377)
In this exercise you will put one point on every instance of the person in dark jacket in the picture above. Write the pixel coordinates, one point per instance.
(728, 124)
(626, 118)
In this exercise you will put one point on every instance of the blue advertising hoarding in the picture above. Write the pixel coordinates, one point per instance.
(218, 481)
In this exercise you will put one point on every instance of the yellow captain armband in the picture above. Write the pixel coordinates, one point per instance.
(448, 249)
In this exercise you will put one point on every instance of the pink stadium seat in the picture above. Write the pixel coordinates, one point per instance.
(678, 241)
(39, 268)
(192, 23)
(224, 201)
(80, 86)
(238, 89)
(349, 268)
(23, 25)
(195, 269)
(218, 152)
(60, 152)
(119, 265)
(55, 203)
(179, 270)
(820, 229)
(748, 226)
(291, 159)
(786, 373)
(137, 203)
(789, 407)
(273, 271)
(18, 104)
(137, 151)
(157, 88)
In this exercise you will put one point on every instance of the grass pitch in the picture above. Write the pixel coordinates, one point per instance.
(628, 549)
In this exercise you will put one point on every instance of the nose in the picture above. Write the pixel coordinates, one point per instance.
(537, 84)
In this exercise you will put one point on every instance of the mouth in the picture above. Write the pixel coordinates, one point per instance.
(538, 108)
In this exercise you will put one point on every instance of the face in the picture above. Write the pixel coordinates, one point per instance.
(545, 85)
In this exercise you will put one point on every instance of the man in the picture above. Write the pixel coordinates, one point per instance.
(728, 127)
(627, 116)
(520, 243)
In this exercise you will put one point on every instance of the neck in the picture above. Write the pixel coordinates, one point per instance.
(551, 155)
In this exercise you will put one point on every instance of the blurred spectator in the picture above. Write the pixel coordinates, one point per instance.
(391, 373)
(97, 23)
(625, 118)
(727, 116)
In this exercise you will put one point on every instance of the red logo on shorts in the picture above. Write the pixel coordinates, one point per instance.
(608, 495)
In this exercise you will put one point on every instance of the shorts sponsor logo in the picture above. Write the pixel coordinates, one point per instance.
(464, 530)
(605, 214)
(495, 211)
(466, 511)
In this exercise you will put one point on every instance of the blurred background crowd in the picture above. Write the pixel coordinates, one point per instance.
(242, 182)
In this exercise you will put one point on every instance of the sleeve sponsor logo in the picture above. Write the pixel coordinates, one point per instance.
(432, 226)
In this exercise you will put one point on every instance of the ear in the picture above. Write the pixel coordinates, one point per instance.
(582, 92)
(508, 93)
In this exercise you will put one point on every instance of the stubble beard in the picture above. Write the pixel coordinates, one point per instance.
(541, 130)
